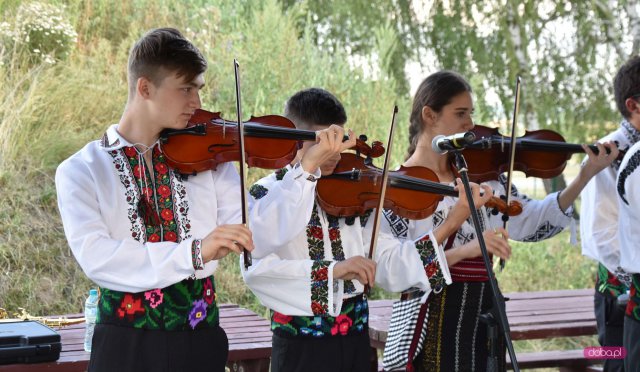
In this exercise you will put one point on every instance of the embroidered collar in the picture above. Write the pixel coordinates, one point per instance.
(632, 134)
(112, 140)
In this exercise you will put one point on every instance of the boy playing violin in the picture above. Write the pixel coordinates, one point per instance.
(599, 216)
(148, 238)
(309, 266)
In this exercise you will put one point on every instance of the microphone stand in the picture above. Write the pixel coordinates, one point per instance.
(497, 315)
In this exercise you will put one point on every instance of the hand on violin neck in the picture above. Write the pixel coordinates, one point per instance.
(360, 268)
(607, 153)
(326, 151)
(481, 194)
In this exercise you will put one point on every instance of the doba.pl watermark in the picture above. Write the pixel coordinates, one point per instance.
(605, 352)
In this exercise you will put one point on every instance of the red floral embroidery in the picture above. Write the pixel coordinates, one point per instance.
(130, 307)
(334, 234)
(167, 214)
(320, 274)
(342, 325)
(170, 236)
(281, 318)
(137, 171)
(148, 193)
(317, 308)
(154, 238)
(431, 269)
(208, 293)
(161, 168)
(164, 191)
(130, 151)
(316, 231)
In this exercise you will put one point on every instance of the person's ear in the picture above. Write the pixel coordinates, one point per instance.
(632, 106)
(428, 115)
(144, 87)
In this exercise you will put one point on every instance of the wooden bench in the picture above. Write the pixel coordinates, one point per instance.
(249, 344)
(532, 315)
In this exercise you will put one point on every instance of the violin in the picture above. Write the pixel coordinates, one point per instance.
(271, 142)
(541, 153)
(413, 192)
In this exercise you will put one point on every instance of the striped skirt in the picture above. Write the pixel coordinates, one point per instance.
(456, 338)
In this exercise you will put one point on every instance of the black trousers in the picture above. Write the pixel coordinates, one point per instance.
(610, 322)
(632, 344)
(350, 353)
(126, 349)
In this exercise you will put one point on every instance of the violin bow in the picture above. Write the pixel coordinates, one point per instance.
(512, 157)
(383, 190)
(243, 195)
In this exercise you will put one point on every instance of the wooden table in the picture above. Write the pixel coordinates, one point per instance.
(249, 344)
(531, 315)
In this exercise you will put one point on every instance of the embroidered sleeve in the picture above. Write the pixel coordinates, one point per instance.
(196, 254)
(432, 263)
(539, 220)
(320, 287)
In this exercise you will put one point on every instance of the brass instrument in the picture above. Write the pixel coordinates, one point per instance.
(48, 321)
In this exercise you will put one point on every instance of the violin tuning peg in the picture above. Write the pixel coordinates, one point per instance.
(363, 138)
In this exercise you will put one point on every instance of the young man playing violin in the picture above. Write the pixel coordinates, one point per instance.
(148, 238)
(599, 216)
(456, 340)
(309, 266)
(628, 232)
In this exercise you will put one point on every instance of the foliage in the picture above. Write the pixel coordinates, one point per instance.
(39, 31)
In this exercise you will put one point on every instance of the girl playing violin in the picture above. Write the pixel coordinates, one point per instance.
(456, 340)
(310, 268)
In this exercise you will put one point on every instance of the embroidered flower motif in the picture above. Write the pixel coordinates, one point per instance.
(137, 171)
(316, 232)
(170, 236)
(161, 168)
(166, 214)
(321, 274)
(317, 308)
(281, 318)
(130, 151)
(198, 313)
(154, 238)
(334, 234)
(154, 297)
(431, 269)
(208, 293)
(342, 325)
(130, 307)
(164, 191)
(431, 265)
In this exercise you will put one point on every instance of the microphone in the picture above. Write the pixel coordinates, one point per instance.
(443, 144)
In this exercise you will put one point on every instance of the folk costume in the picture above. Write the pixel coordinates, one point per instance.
(456, 339)
(628, 197)
(320, 323)
(599, 237)
(157, 308)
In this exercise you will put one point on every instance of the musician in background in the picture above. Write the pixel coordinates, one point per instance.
(310, 268)
(599, 217)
